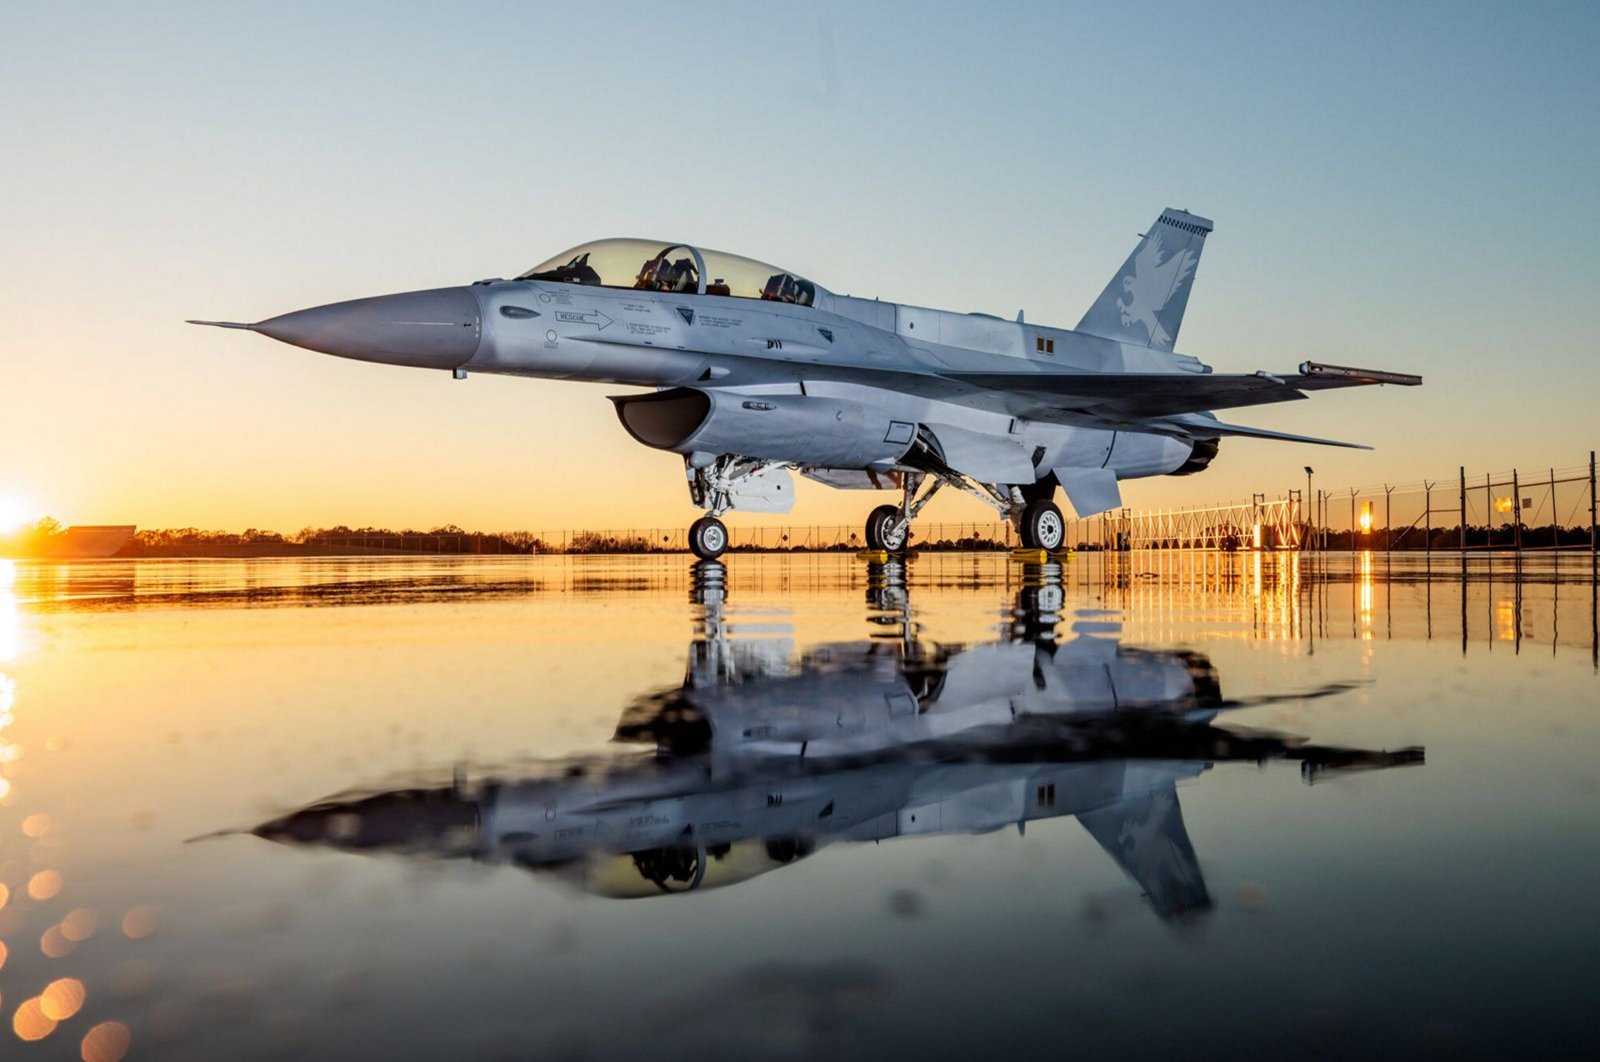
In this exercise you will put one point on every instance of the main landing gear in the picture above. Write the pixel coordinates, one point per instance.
(1041, 527)
(886, 531)
(1038, 520)
(889, 526)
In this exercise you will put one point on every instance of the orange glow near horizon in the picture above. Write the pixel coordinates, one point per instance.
(15, 511)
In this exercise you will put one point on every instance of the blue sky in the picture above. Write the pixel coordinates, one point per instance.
(1400, 186)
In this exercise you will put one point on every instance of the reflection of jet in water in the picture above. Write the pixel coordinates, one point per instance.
(758, 763)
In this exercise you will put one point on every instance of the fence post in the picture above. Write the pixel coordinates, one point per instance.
(1427, 517)
(1555, 523)
(1516, 513)
(1488, 501)
(1594, 541)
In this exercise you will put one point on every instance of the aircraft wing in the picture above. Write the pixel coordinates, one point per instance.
(1139, 396)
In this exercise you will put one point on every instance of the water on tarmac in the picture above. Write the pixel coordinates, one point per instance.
(1158, 805)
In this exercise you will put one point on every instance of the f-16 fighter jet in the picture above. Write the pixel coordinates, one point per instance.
(759, 371)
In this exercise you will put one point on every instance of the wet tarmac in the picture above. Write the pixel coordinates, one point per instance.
(1142, 806)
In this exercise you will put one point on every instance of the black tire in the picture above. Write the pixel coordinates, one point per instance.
(708, 538)
(878, 523)
(1042, 527)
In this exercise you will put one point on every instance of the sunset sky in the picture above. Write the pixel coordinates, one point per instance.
(1401, 188)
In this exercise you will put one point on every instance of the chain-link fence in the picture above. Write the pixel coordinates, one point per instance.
(1551, 508)
(1523, 509)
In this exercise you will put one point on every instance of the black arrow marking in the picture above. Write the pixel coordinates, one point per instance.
(594, 317)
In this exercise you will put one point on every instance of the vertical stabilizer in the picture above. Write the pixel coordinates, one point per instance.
(1146, 836)
(1144, 302)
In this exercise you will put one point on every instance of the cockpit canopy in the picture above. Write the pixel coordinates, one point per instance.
(647, 265)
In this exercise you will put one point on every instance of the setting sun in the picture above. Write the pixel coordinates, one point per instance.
(14, 512)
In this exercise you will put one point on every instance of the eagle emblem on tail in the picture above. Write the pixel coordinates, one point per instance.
(1151, 286)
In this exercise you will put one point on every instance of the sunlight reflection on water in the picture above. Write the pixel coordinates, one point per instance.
(814, 782)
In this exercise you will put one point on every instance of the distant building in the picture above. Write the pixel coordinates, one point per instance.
(87, 541)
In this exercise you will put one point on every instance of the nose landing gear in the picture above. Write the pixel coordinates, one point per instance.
(726, 482)
(708, 538)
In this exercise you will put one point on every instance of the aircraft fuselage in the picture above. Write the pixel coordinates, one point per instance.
(759, 372)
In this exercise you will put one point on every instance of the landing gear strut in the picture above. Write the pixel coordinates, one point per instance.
(708, 538)
(889, 526)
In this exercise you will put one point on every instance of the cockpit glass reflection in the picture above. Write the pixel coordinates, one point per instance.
(648, 265)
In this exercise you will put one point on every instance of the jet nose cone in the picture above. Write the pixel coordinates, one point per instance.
(425, 819)
(437, 329)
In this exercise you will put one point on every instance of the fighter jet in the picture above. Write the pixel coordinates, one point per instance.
(758, 371)
(758, 760)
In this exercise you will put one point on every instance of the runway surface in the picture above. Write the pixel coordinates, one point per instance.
(1152, 805)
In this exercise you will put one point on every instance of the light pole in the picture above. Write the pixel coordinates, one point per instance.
(1308, 500)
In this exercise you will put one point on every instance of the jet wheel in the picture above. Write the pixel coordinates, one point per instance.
(883, 518)
(1042, 526)
(708, 538)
